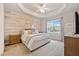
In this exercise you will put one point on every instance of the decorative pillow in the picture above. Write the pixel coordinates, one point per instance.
(28, 31)
(34, 31)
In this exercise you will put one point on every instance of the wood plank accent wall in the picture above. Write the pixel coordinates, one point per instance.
(15, 24)
(71, 46)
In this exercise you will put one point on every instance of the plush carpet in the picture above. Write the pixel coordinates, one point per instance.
(54, 48)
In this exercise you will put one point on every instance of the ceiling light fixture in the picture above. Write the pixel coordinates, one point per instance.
(42, 8)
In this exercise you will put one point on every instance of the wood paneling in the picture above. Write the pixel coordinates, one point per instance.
(71, 46)
(16, 23)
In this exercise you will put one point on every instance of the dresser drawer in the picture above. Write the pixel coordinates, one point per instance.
(14, 39)
(71, 46)
(71, 42)
(71, 51)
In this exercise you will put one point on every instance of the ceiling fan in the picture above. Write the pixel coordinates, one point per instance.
(41, 8)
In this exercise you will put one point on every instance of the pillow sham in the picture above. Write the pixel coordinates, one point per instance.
(28, 31)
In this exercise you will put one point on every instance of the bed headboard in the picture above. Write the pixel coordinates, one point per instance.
(32, 30)
(28, 29)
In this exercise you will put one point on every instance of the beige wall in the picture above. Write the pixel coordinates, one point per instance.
(14, 24)
(1, 29)
(68, 23)
(43, 25)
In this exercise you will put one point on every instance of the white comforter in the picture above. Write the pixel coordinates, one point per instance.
(33, 41)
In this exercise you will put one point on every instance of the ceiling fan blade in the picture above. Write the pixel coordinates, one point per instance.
(46, 8)
(44, 5)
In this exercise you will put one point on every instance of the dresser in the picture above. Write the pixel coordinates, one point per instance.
(13, 39)
(71, 46)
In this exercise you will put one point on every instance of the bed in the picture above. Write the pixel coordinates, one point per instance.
(34, 40)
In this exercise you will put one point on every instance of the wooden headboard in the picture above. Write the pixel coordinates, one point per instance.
(28, 29)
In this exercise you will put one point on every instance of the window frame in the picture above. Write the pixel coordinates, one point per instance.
(55, 19)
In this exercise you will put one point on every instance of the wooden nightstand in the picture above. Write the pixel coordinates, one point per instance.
(13, 39)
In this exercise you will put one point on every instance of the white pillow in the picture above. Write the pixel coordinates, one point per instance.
(28, 31)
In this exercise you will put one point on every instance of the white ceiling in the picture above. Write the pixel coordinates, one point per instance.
(32, 8)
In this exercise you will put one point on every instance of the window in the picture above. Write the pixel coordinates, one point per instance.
(54, 25)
